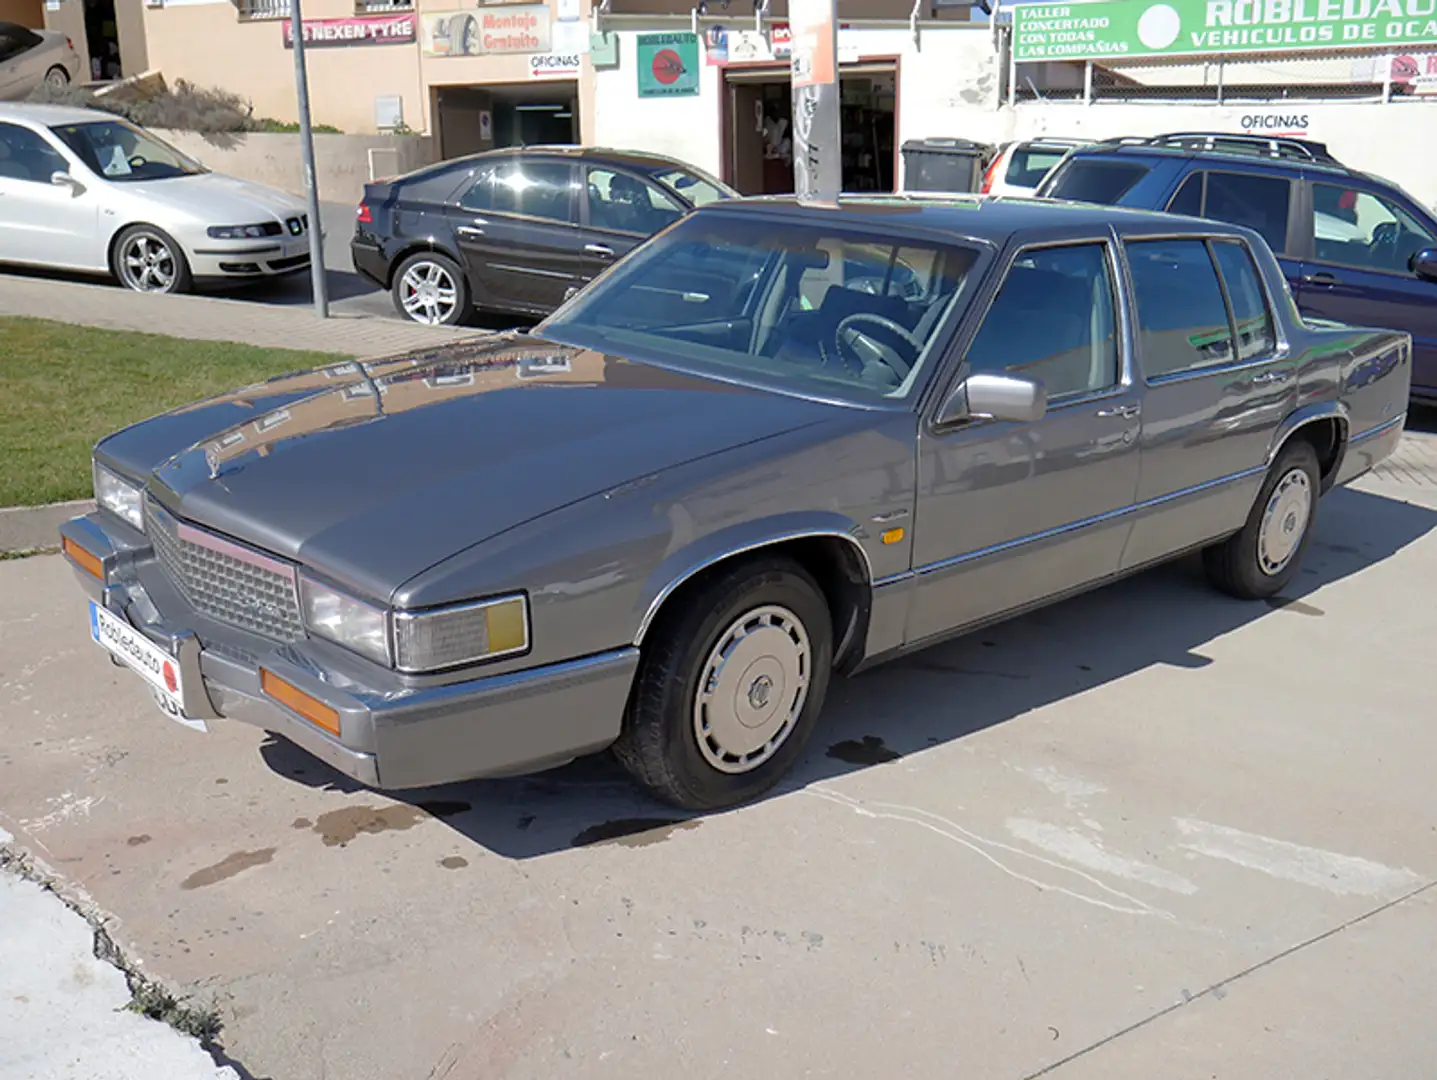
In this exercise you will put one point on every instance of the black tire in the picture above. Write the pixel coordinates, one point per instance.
(1236, 566)
(170, 274)
(438, 312)
(660, 741)
(57, 77)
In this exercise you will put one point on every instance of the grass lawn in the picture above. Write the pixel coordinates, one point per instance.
(62, 387)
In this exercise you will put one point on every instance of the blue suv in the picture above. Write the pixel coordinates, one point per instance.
(1356, 249)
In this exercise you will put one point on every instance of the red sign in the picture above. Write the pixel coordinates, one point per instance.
(360, 30)
(667, 67)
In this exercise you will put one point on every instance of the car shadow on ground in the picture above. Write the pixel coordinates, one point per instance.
(1162, 617)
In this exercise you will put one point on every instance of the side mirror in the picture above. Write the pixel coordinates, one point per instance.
(60, 178)
(1424, 264)
(995, 397)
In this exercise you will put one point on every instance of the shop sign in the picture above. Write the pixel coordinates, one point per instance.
(1107, 29)
(503, 28)
(1414, 73)
(668, 65)
(360, 30)
(1274, 123)
(555, 66)
(716, 46)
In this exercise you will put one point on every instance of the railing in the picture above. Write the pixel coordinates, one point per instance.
(381, 7)
(257, 10)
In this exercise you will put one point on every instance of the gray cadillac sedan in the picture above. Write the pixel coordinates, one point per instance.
(775, 443)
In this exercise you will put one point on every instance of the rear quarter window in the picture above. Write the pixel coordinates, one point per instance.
(1096, 180)
(1031, 164)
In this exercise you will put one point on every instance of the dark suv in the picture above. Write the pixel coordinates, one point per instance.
(1355, 248)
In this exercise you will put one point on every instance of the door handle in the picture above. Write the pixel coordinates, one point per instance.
(1270, 377)
(469, 230)
(1127, 412)
(1322, 277)
(598, 249)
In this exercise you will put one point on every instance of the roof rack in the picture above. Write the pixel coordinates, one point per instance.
(1270, 146)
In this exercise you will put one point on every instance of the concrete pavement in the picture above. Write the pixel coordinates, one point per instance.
(1151, 831)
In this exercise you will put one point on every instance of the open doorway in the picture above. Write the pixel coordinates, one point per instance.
(758, 137)
(475, 118)
(102, 40)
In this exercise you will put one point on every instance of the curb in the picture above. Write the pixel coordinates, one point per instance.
(31, 528)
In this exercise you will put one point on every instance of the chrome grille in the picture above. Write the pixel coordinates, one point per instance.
(228, 582)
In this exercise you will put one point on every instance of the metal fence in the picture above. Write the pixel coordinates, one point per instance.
(256, 10)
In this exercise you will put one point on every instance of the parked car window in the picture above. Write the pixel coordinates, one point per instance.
(1360, 229)
(1249, 305)
(625, 203)
(1182, 318)
(119, 151)
(25, 155)
(734, 297)
(1188, 199)
(1259, 203)
(16, 39)
(697, 190)
(541, 189)
(1031, 163)
(1096, 180)
(1053, 320)
(480, 195)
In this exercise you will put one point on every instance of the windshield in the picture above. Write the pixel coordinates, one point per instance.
(804, 306)
(698, 190)
(119, 151)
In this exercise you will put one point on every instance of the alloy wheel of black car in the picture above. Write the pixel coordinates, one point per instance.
(1261, 559)
(430, 288)
(730, 686)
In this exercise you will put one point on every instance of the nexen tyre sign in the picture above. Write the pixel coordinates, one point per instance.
(554, 65)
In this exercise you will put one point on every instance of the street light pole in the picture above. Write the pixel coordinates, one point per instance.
(311, 184)
(817, 143)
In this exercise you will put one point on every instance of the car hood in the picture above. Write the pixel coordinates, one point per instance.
(457, 446)
(213, 198)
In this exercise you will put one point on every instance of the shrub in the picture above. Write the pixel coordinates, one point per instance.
(182, 107)
(283, 127)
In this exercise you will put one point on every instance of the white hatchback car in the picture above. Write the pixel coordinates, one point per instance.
(88, 191)
(31, 57)
(1020, 166)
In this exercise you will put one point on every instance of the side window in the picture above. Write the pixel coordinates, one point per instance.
(16, 39)
(1053, 320)
(1258, 202)
(480, 196)
(624, 203)
(1188, 200)
(25, 155)
(1249, 306)
(1096, 180)
(1357, 228)
(541, 189)
(1182, 319)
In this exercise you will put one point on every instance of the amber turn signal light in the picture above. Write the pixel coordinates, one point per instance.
(80, 557)
(312, 709)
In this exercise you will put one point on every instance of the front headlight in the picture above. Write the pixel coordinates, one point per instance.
(461, 634)
(120, 497)
(345, 621)
(244, 232)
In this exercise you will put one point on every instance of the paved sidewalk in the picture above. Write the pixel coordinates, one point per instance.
(211, 318)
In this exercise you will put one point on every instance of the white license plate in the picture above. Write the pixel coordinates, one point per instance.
(145, 658)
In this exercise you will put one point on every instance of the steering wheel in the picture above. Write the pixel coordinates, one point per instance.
(1385, 239)
(137, 162)
(881, 351)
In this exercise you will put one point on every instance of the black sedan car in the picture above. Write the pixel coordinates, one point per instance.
(514, 231)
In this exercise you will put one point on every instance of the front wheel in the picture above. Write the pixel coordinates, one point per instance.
(1261, 559)
(149, 260)
(730, 686)
(430, 288)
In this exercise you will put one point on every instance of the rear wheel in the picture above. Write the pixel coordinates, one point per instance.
(730, 686)
(1261, 559)
(147, 259)
(57, 77)
(430, 288)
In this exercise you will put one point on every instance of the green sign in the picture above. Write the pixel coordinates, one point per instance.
(669, 65)
(1108, 29)
(604, 49)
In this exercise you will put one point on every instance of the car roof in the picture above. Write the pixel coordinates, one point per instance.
(984, 217)
(49, 115)
(640, 160)
(1214, 153)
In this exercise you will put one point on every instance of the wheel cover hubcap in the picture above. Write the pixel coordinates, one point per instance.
(427, 293)
(752, 689)
(1284, 522)
(147, 264)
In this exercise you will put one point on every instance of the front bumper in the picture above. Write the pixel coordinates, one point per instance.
(240, 260)
(393, 733)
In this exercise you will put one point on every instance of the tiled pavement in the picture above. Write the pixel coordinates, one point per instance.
(210, 318)
(1415, 461)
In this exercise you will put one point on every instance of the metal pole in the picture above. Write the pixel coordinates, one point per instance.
(1012, 64)
(306, 143)
(817, 138)
(1088, 83)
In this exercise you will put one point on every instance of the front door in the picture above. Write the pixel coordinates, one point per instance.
(41, 222)
(620, 211)
(1009, 513)
(1359, 273)
(1211, 410)
(517, 229)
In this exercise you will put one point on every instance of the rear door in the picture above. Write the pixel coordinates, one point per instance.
(517, 230)
(1266, 202)
(1363, 241)
(620, 211)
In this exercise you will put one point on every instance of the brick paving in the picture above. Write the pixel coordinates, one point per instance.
(210, 318)
(1414, 462)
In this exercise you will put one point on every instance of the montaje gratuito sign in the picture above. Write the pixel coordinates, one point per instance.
(501, 28)
(1133, 28)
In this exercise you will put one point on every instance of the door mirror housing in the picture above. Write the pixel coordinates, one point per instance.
(1424, 264)
(60, 178)
(995, 397)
